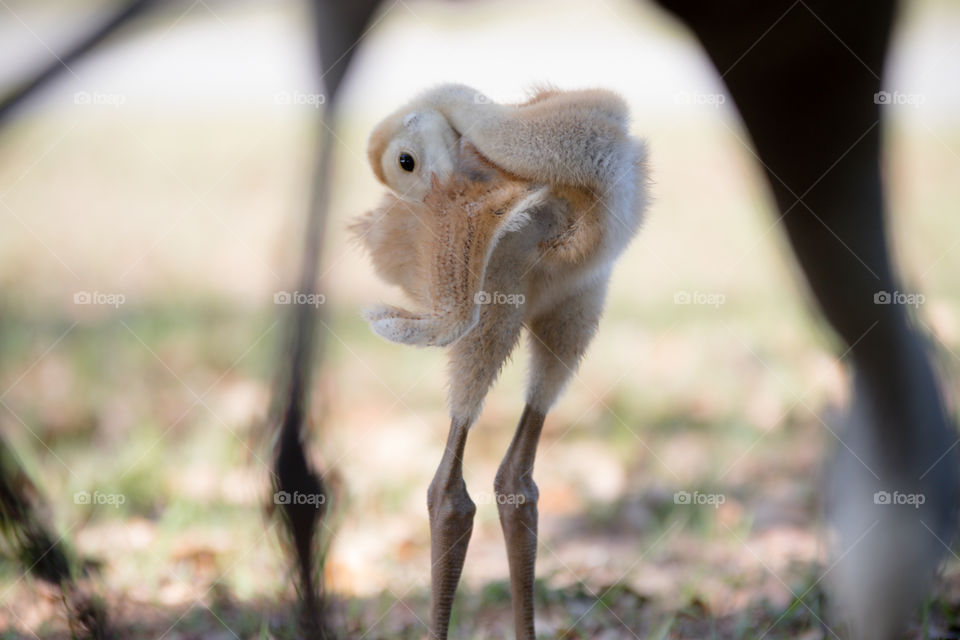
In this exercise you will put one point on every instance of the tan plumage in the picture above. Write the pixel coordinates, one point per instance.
(570, 186)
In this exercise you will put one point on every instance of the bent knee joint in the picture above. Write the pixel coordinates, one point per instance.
(515, 491)
(450, 504)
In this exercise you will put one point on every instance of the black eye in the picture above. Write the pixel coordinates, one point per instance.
(406, 162)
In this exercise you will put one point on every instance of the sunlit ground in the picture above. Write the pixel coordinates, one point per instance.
(195, 217)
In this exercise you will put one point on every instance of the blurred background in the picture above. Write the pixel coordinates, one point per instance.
(152, 204)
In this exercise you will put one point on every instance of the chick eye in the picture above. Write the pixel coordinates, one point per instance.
(406, 162)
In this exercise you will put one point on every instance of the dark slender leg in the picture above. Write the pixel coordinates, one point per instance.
(806, 78)
(451, 523)
(517, 494)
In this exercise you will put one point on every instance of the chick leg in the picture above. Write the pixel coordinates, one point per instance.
(558, 340)
(516, 495)
(451, 523)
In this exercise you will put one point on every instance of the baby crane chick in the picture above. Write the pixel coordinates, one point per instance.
(501, 216)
